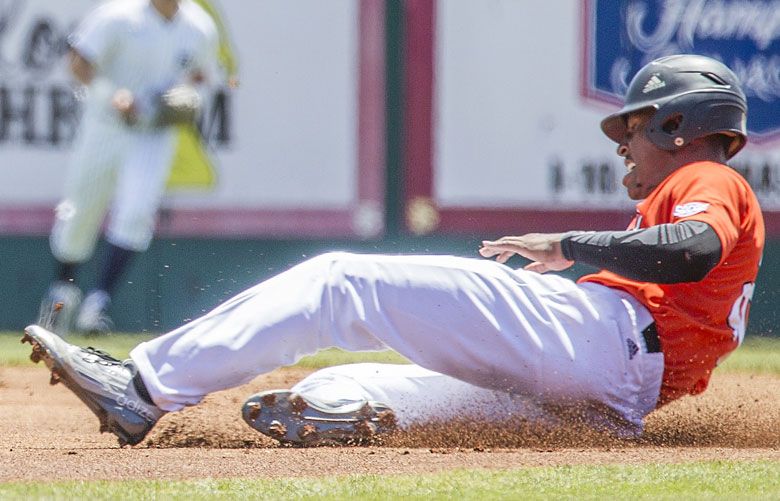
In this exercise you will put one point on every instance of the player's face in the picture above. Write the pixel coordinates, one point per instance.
(646, 163)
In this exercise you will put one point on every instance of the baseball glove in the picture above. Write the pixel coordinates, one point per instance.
(177, 106)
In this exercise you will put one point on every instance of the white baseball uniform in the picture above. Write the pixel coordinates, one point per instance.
(485, 339)
(132, 46)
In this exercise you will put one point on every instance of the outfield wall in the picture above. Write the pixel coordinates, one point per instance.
(179, 279)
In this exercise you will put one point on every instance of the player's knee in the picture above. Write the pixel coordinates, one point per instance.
(133, 232)
(68, 247)
(328, 259)
(335, 264)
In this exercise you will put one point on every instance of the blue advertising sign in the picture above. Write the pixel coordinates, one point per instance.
(622, 36)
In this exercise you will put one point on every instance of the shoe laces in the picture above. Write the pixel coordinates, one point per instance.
(103, 355)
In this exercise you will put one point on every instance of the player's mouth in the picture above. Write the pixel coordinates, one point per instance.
(630, 164)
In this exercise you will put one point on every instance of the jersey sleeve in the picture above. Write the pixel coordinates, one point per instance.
(712, 196)
(95, 36)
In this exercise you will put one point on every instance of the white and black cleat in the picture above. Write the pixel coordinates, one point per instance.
(291, 419)
(103, 383)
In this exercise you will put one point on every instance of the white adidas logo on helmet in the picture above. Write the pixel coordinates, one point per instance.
(653, 84)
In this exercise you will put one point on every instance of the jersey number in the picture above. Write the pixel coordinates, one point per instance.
(739, 312)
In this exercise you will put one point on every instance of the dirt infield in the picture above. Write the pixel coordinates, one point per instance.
(46, 433)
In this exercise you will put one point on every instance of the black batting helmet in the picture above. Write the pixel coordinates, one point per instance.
(694, 96)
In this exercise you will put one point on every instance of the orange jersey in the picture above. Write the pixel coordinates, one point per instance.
(700, 323)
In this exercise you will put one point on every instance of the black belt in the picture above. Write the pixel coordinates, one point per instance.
(651, 339)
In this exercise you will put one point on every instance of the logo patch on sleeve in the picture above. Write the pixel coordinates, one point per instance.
(689, 209)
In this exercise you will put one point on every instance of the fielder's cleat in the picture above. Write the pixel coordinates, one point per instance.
(58, 307)
(93, 316)
(102, 382)
(291, 419)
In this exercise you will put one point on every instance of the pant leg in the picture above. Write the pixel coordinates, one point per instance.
(89, 186)
(416, 395)
(472, 319)
(140, 187)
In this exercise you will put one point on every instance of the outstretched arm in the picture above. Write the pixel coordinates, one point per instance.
(667, 253)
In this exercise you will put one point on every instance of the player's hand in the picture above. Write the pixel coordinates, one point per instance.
(543, 249)
(124, 103)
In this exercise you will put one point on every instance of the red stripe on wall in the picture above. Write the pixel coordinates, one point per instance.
(520, 220)
(311, 223)
(419, 95)
(371, 120)
(317, 223)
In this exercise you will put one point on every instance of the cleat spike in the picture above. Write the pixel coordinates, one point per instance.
(297, 404)
(26, 338)
(277, 430)
(297, 421)
(104, 428)
(37, 352)
(254, 410)
(55, 378)
(307, 432)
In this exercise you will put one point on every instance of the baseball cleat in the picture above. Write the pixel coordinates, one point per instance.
(102, 382)
(93, 316)
(291, 419)
(58, 307)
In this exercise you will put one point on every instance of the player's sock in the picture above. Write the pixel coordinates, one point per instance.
(115, 264)
(66, 272)
(140, 388)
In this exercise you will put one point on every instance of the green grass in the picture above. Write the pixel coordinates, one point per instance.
(698, 480)
(14, 353)
(757, 355)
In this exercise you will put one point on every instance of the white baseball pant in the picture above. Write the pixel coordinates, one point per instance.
(111, 165)
(486, 334)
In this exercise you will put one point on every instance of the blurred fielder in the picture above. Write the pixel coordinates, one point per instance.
(487, 341)
(142, 63)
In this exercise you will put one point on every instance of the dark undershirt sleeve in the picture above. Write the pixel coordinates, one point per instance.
(664, 254)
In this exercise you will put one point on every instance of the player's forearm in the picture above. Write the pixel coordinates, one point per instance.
(667, 253)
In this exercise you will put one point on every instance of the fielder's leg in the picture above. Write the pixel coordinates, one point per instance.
(78, 217)
(139, 190)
